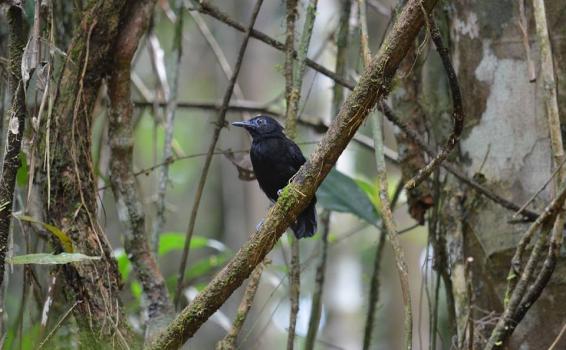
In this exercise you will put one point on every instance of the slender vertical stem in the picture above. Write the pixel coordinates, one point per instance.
(16, 123)
(316, 308)
(229, 341)
(169, 121)
(294, 72)
(129, 205)
(221, 120)
(385, 206)
(389, 223)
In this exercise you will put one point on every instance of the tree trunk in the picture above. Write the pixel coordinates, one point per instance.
(506, 146)
(71, 205)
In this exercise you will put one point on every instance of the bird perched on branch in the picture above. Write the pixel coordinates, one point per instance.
(275, 160)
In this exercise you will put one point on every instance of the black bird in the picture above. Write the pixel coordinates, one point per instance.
(275, 159)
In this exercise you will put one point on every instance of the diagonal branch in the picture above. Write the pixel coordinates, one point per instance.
(211, 10)
(374, 84)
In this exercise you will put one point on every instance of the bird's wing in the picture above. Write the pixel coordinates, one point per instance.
(295, 155)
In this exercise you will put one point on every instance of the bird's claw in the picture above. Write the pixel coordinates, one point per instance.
(258, 226)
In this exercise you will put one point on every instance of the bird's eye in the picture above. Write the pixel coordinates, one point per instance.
(261, 121)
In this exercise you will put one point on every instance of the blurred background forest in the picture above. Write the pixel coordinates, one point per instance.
(188, 56)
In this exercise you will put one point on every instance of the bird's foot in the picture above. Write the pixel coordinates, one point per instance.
(258, 226)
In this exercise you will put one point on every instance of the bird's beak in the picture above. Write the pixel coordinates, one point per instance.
(244, 124)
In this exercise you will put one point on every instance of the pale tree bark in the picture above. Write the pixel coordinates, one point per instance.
(505, 145)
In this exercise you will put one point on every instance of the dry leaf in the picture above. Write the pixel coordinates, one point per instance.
(243, 164)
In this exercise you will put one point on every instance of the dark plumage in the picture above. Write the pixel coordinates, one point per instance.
(275, 160)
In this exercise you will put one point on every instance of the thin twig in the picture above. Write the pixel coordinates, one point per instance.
(558, 337)
(469, 291)
(384, 204)
(169, 121)
(517, 289)
(229, 341)
(292, 96)
(57, 325)
(316, 308)
(373, 297)
(209, 9)
(455, 241)
(529, 214)
(338, 98)
(523, 296)
(541, 188)
(217, 50)
(387, 217)
(457, 113)
(342, 37)
(218, 128)
(524, 27)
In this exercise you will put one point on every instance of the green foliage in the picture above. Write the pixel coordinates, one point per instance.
(23, 172)
(171, 241)
(341, 193)
(65, 241)
(174, 242)
(372, 190)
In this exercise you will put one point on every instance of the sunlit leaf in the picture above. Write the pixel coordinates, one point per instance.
(171, 241)
(371, 190)
(201, 268)
(124, 265)
(22, 174)
(206, 265)
(340, 192)
(49, 259)
(66, 242)
(136, 289)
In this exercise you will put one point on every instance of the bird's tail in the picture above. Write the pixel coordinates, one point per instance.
(305, 226)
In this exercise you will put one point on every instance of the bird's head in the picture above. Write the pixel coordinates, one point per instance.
(260, 125)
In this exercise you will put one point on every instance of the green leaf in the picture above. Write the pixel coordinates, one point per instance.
(371, 190)
(49, 259)
(22, 174)
(340, 192)
(170, 241)
(63, 238)
(124, 265)
(136, 289)
(204, 266)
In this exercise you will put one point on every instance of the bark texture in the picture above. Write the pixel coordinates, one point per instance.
(71, 184)
(506, 147)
